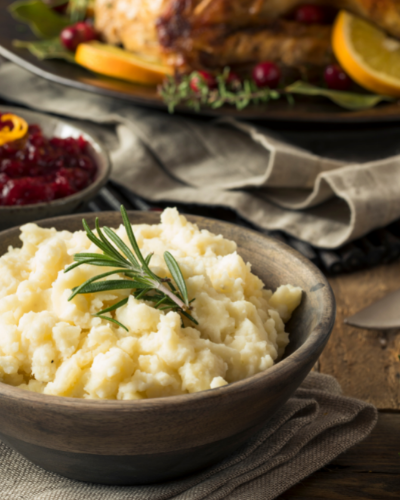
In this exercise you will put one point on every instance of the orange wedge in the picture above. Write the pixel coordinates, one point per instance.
(119, 63)
(367, 54)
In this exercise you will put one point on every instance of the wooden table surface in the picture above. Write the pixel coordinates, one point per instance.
(366, 363)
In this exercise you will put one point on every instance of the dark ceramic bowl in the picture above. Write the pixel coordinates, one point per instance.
(11, 216)
(146, 441)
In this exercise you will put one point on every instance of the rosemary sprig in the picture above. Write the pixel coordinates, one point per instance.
(238, 93)
(137, 275)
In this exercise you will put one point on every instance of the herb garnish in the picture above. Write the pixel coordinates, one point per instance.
(176, 91)
(238, 93)
(145, 285)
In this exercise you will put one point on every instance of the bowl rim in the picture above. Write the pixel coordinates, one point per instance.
(101, 174)
(317, 337)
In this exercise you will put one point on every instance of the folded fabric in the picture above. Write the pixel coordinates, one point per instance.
(314, 427)
(270, 183)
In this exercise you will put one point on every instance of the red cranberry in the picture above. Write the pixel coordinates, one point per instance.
(72, 36)
(205, 77)
(266, 74)
(336, 78)
(310, 14)
(86, 30)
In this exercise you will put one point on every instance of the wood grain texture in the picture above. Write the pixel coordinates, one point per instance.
(365, 362)
(369, 470)
(158, 437)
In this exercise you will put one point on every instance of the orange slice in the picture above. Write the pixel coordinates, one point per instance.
(367, 54)
(119, 63)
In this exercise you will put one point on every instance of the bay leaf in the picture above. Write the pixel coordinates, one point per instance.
(43, 21)
(349, 100)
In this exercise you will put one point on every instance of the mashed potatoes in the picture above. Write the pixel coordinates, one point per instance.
(52, 346)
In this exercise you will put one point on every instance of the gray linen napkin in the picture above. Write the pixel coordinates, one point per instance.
(228, 163)
(314, 427)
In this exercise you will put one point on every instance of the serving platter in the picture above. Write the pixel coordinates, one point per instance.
(315, 110)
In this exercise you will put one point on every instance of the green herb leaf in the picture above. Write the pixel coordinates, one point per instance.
(99, 243)
(104, 239)
(47, 49)
(107, 318)
(133, 242)
(176, 273)
(113, 307)
(44, 22)
(189, 316)
(106, 286)
(348, 100)
(86, 285)
(122, 246)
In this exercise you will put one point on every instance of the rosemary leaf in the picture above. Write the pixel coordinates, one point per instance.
(122, 246)
(109, 285)
(79, 289)
(113, 307)
(98, 242)
(148, 259)
(132, 239)
(189, 316)
(107, 318)
(176, 273)
(104, 239)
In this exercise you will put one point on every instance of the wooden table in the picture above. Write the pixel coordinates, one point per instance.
(366, 363)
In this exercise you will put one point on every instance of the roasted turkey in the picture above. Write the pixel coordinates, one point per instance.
(198, 34)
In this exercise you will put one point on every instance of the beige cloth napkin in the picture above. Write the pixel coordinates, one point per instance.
(314, 427)
(270, 183)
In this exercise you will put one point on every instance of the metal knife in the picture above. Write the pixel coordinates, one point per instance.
(383, 314)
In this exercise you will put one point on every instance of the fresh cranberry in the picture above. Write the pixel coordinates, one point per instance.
(72, 36)
(336, 78)
(266, 74)
(311, 14)
(205, 77)
(86, 31)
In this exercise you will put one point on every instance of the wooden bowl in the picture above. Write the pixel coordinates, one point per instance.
(11, 216)
(147, 441)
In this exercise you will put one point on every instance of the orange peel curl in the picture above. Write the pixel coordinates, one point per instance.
(18, 130)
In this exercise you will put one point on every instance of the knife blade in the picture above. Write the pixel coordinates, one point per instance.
(384, 314)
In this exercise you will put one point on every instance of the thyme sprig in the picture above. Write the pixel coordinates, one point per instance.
(134, 267)
(177, 91)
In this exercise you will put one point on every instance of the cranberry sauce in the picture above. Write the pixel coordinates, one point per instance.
(36, 169)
